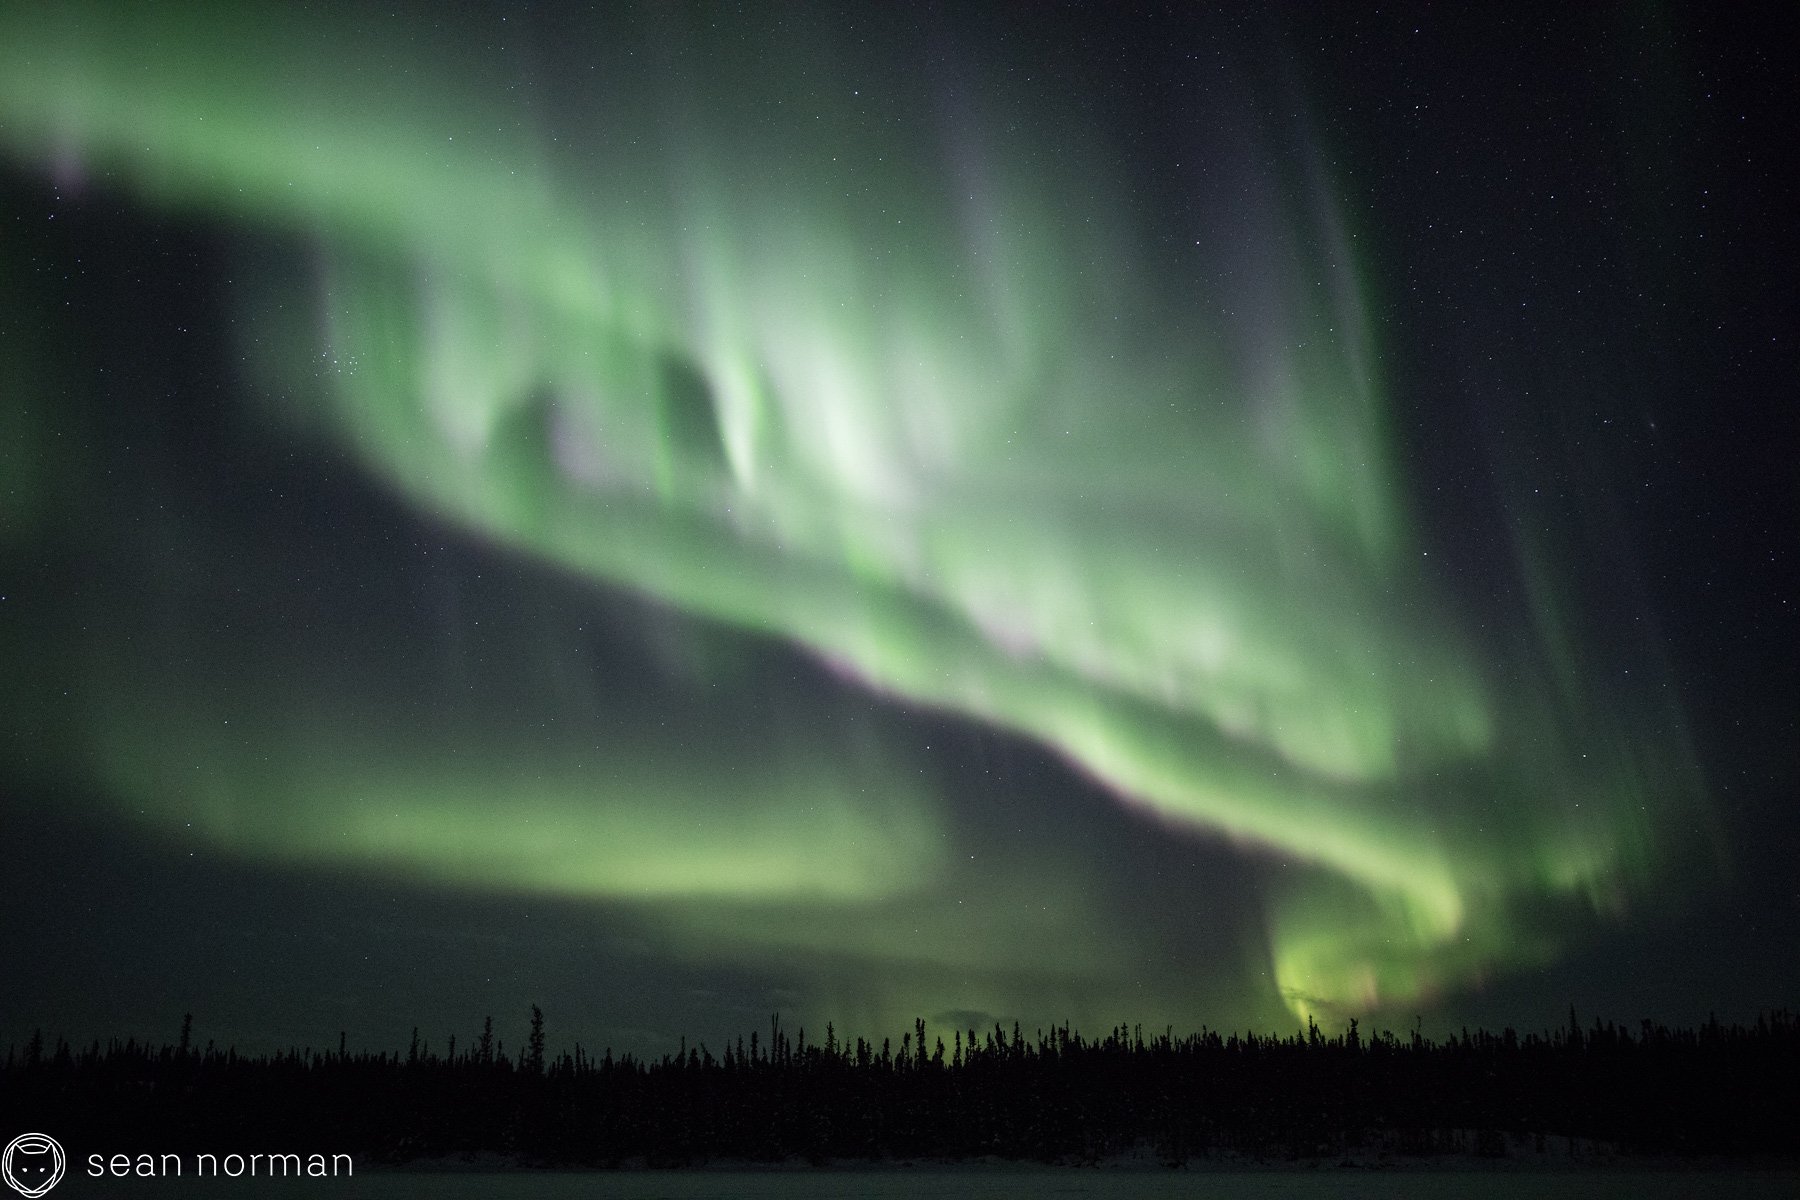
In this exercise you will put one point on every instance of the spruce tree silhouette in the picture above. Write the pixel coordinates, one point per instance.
(534, 1049)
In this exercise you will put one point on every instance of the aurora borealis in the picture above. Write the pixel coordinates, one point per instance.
(833, 501)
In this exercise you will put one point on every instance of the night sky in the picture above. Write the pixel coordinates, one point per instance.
(1220, 516)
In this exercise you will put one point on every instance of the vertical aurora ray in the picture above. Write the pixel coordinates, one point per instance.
(905, 392)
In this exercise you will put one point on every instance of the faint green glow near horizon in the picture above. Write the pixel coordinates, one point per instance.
(920, 410)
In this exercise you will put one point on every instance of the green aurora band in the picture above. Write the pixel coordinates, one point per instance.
(922, 400)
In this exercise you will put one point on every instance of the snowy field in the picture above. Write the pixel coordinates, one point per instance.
(1001, 1183)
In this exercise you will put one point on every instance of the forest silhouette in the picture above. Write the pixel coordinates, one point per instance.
(1056, 1096)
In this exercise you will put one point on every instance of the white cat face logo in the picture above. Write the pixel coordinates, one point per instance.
(32, 1164)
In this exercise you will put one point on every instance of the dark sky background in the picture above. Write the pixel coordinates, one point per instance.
(1022, 514)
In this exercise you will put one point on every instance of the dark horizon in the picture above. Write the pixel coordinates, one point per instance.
(1569, 1098)
(500, 1042)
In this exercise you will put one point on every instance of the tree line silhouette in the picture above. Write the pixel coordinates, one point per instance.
(1056, 1096)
